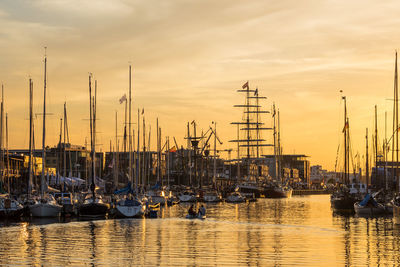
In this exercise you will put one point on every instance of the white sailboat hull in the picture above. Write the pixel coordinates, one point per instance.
(45, 210)
(211, 198)
(187, 198)
(130, 211)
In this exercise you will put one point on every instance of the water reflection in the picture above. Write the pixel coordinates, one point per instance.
(297, 231)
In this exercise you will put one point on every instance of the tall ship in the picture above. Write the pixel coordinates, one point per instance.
(252, 171)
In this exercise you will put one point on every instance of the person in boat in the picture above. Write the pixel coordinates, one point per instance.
(191, 211)
(202, 211)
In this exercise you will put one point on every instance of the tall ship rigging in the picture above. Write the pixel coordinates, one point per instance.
(251, 171)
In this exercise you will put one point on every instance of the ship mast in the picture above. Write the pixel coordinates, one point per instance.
(44, 126)
(395, 141)
(250, 124)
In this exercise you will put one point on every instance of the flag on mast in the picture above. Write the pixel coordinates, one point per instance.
(246, 85)
(122, 99)
(256, 92)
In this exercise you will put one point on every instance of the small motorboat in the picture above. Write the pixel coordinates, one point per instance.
(235, 197)
(212, 196)
(187, 196)
(368, 206)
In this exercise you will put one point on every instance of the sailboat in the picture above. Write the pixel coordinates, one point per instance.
(93, 205)
(395, 173)
(130, 206)
(276, 188)
(343, 199)
(9, 207)
(46, 206)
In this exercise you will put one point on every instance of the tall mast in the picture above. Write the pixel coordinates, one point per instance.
(238, 156)
(44, 126)
(64, 146)
(275, 143)
(376, 144)
(385, 146)
(92, 186)
(125, 135)
(149, 159)
(94, 137)
(190, 152)
(59, 155)
(168, 161)
(30, 180)
(129, 127)
(279, 150)
(116, 152)
(8, 158)
(138, 154)
(158, 154)
(215, 154)
(395, 143)
(366, 157)
(345, 140)
(144, 155)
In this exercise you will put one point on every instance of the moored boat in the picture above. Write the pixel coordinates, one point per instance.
(235, 197)
(278, 191)
(212, 196)
(187, 196)
(130, 207)
(45, 207)
(93, 206)
(368, 206)
(10, 208)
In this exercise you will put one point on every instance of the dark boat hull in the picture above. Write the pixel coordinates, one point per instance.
(93, 210)
(11, 213)
(343, 203)
(277, 193)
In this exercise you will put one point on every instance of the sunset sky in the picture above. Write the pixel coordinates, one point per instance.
(190, 57)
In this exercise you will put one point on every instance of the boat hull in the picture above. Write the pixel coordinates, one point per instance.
(130, 211)
(211, 198)
(187, 198)
(93, 210)
(234, 199)
(11, 213)
(45, 210)
(277, 193)
(369, 211)
(343, 203)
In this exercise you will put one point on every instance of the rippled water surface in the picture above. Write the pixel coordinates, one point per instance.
(284, 232)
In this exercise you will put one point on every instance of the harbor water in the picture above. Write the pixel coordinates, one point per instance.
(300, 231)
